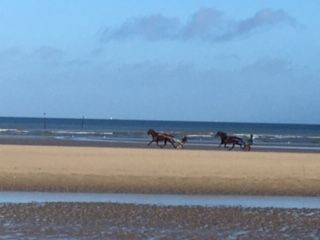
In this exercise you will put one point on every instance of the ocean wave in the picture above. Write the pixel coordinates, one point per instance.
(70, 132)
(284, 136)
(12, 130)
(200, 135)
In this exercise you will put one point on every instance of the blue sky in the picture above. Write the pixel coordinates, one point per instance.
(248, 61)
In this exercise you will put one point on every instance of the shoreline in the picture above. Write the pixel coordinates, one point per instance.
(167, 171)
(46, 141)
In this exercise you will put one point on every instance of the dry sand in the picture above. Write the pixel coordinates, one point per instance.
(90, 169)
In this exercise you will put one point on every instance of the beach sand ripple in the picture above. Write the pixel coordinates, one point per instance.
(127, 221)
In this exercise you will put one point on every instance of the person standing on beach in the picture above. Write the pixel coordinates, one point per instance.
(249, 142)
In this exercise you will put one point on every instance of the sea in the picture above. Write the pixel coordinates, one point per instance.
(296, 137)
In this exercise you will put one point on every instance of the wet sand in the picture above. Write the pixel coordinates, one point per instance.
(124, 221)
(133, 170)
(47, 141)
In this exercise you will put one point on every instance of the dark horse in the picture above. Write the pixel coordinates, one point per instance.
(234, 140)
(165, 137)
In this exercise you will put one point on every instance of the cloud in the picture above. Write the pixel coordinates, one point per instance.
(47, 53)
(262, 19)
(207, 24)
(41, 53)
(154, 27)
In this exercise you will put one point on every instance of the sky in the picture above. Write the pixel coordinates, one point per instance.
(196, 60)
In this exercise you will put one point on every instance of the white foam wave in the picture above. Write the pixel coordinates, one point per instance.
(68, 132)
(200, 135)
(283, 136)
(12, 130)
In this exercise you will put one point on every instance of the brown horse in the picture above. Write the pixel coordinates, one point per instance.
(165, 137)
(234, 140)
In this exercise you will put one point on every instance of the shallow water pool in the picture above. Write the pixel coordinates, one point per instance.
(165, 199)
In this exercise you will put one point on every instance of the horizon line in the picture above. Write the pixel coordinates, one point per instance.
(159, 120)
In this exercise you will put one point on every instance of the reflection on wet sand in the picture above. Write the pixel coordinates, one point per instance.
(165, 199)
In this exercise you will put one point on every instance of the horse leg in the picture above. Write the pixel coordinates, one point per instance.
(222, 142)
(231, 147)
(165, 143)
(243, 146)
(150, 142)
(170, 140)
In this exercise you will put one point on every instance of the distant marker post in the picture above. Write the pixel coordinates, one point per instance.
(82, 122)
(44, 121)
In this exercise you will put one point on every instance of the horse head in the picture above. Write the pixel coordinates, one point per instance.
(151, 132)
(221, 134)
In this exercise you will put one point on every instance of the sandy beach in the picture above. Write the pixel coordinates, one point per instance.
(96, 169)
(153, 170)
